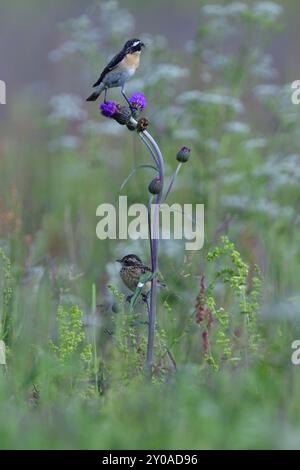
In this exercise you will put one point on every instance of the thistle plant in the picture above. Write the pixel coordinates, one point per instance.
(131, 117)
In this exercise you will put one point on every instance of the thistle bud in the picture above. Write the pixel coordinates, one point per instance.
(183, 155)
(155, 186)
(131, 126)
(122, 114)
(142, 124)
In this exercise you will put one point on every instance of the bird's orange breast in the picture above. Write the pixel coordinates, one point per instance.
(131, 61)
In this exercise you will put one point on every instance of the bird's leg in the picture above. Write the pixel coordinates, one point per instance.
(145, 297)
(124, 94)
(105, 95)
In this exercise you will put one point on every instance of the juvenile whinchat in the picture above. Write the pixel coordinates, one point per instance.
(132, 268)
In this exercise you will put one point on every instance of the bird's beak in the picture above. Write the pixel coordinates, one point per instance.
(118, 261)
(143, 44)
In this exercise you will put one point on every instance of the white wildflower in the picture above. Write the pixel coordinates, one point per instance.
(252, 144)
(235, 202)
(34, 277)
(236, 127)
(232, 178)
(213, 10)
(271, 10)
(212, 144)
(270, 208)
(67, 142)
(82, 38)
(68, 47)
(263, 68)
(167, 72)
(232, 9)
(224, 163)
(266, 91)
(67, 106)
(217, 61)
(168, 116)
(112, 270)
(189, 134)
(119, 21)
(210, 98)
(157, 41)
(173, 248)
(281, 171)
(236, 8)
(191, 46)
(206, 76)
(108, 127)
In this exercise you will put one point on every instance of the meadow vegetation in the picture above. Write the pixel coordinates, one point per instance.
(72, 353)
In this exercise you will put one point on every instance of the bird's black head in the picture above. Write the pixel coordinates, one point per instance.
(130, 260)
(133, 45)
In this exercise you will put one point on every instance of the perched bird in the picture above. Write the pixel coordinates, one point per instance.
(119, 69)
(131, 271)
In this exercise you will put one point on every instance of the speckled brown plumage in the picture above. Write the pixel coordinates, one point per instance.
(131, 271)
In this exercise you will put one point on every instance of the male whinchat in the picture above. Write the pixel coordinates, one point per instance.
(122, 67)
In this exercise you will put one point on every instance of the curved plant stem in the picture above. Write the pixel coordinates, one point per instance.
(158, 153)
(172, 181)
(154, 243)
(150, 148)
(149, 227)
(133, 172)
(153, 221)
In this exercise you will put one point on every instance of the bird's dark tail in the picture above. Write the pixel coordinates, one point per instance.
(95, 95)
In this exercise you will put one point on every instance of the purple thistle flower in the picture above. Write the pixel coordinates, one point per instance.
(138, 100)
(108, 109)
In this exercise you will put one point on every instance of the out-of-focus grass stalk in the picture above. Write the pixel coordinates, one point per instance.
(5, 267)
(94, 310)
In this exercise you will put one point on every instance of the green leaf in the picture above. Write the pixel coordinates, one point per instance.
(142, 281)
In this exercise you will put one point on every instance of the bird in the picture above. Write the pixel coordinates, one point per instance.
(132, 268)
(122, 67)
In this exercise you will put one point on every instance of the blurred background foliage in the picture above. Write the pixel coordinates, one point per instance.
(217, 78)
